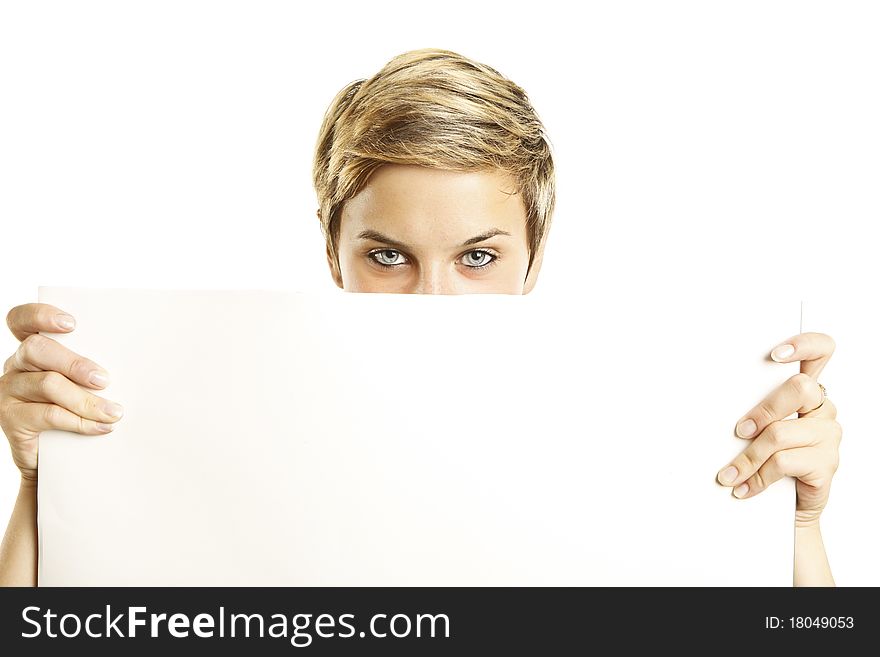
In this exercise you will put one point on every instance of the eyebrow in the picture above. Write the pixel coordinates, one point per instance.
(379, 237)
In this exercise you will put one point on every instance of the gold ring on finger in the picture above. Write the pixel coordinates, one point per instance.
(824, 397)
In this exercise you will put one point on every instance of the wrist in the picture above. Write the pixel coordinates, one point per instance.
(808, 532)
(807, 519)
(28, 482)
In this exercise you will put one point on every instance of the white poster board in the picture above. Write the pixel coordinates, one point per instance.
(287, 438)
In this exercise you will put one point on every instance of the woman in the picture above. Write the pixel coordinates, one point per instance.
(433, 177)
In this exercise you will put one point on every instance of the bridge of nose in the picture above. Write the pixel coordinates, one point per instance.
(434, 278)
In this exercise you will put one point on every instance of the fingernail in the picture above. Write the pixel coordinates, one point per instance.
(64, 322)
(104, 427)
(746, 428)
(97, 378)
(781, 352)
(741, 490)
(728, 475)
(112, 409)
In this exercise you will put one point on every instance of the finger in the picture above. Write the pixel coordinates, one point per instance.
(800, 462)
(813, 350)
(55, 388)
(37, 417)
(784, 435)
(826, 410)
(41, 353)
(799, 394)
(32, 318)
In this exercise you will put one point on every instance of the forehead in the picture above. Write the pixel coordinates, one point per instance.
(419, 204)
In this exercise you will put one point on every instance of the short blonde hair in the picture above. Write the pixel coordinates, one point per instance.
(433, 108)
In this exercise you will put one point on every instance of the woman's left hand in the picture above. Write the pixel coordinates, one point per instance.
(805, 447)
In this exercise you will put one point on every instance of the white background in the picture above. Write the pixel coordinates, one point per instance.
(702, 148)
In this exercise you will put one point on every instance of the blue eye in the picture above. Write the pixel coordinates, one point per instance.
(484, 260)
(378, 257)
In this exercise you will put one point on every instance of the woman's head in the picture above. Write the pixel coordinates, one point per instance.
(415, 164)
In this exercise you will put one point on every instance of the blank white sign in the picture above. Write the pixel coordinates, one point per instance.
(289, 438)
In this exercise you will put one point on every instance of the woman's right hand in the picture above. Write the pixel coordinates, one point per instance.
(39, 391)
